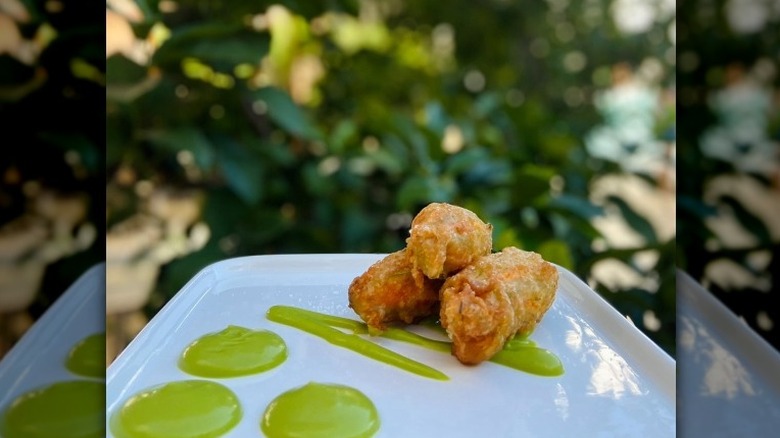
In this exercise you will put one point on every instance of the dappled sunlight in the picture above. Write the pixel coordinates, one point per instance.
(630, 108)
(612, 376)
(632, 151)
(120, 39)
(574, 335)
(562, 402)
(655, 205)
(742, 200)
(617, 275)
(731, 159)
(168, 228)
(747, 16)
(53, 227)
(724, 375)
(756, 197)
(731, 275)
(128, 9)
(13, 42)
(743, 107)
(637, 16)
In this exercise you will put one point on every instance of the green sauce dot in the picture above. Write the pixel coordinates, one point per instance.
(234, 351)
(320, 410)
(88, 357)
(69, 409)
(181, 409)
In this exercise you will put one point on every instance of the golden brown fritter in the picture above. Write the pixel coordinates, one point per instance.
(445, 238)
(490, 301)
(387, 292)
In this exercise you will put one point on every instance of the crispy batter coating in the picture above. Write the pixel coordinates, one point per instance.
(387, 292)
(445, 238)
(490, 301)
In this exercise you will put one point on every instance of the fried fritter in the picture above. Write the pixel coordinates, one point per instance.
(490, 301)
(445, 238)
(387, 292)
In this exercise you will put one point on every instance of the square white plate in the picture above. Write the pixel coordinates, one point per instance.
(617, 382)
(729, 376)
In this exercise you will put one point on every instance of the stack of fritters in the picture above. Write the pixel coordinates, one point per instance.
(483, 299)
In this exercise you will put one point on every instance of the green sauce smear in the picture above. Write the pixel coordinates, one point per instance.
(320, 325)
(320, 410)
(519, 353)
(88, 356)
(68, 409)
(180, 409)
(234, 351)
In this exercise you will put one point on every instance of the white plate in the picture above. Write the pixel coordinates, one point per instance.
(39, 357)
(729, 375)
(617, 381)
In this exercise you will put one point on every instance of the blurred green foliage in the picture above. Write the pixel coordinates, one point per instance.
(318, 127)
(51, 105)
(711, 49)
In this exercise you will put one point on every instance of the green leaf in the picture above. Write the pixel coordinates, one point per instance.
(556, 251)
(489, 172)
(408, 131)
(436, 117)
(279, 154)
(243, 170)
(421, 190)
(120, 70)
(33, 8)
(462, 161)
(126, 80)
(223, 46)
(577, 205)
(14, 72)
(486, 103)
(316, 184)
(116, 142)
(748, 220)
(387, 161)
(583, 227)
(505, 235)
(283, 111)
(395, 146)
(634, 220)
(696, 207)
(344, 133)
(531, 181)
(357, 227)
(149, 13)
(184, 138)
(79, 143)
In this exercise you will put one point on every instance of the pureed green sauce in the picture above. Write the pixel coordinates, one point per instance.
(232, 352)
(320, 410)
(200, 408)
(64, 409)
(519, 353)
(87, 357)
(181, 409)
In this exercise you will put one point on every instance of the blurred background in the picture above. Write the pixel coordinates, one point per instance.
(247, 128)
(729, 191)
(728, 196)
(52, 164)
